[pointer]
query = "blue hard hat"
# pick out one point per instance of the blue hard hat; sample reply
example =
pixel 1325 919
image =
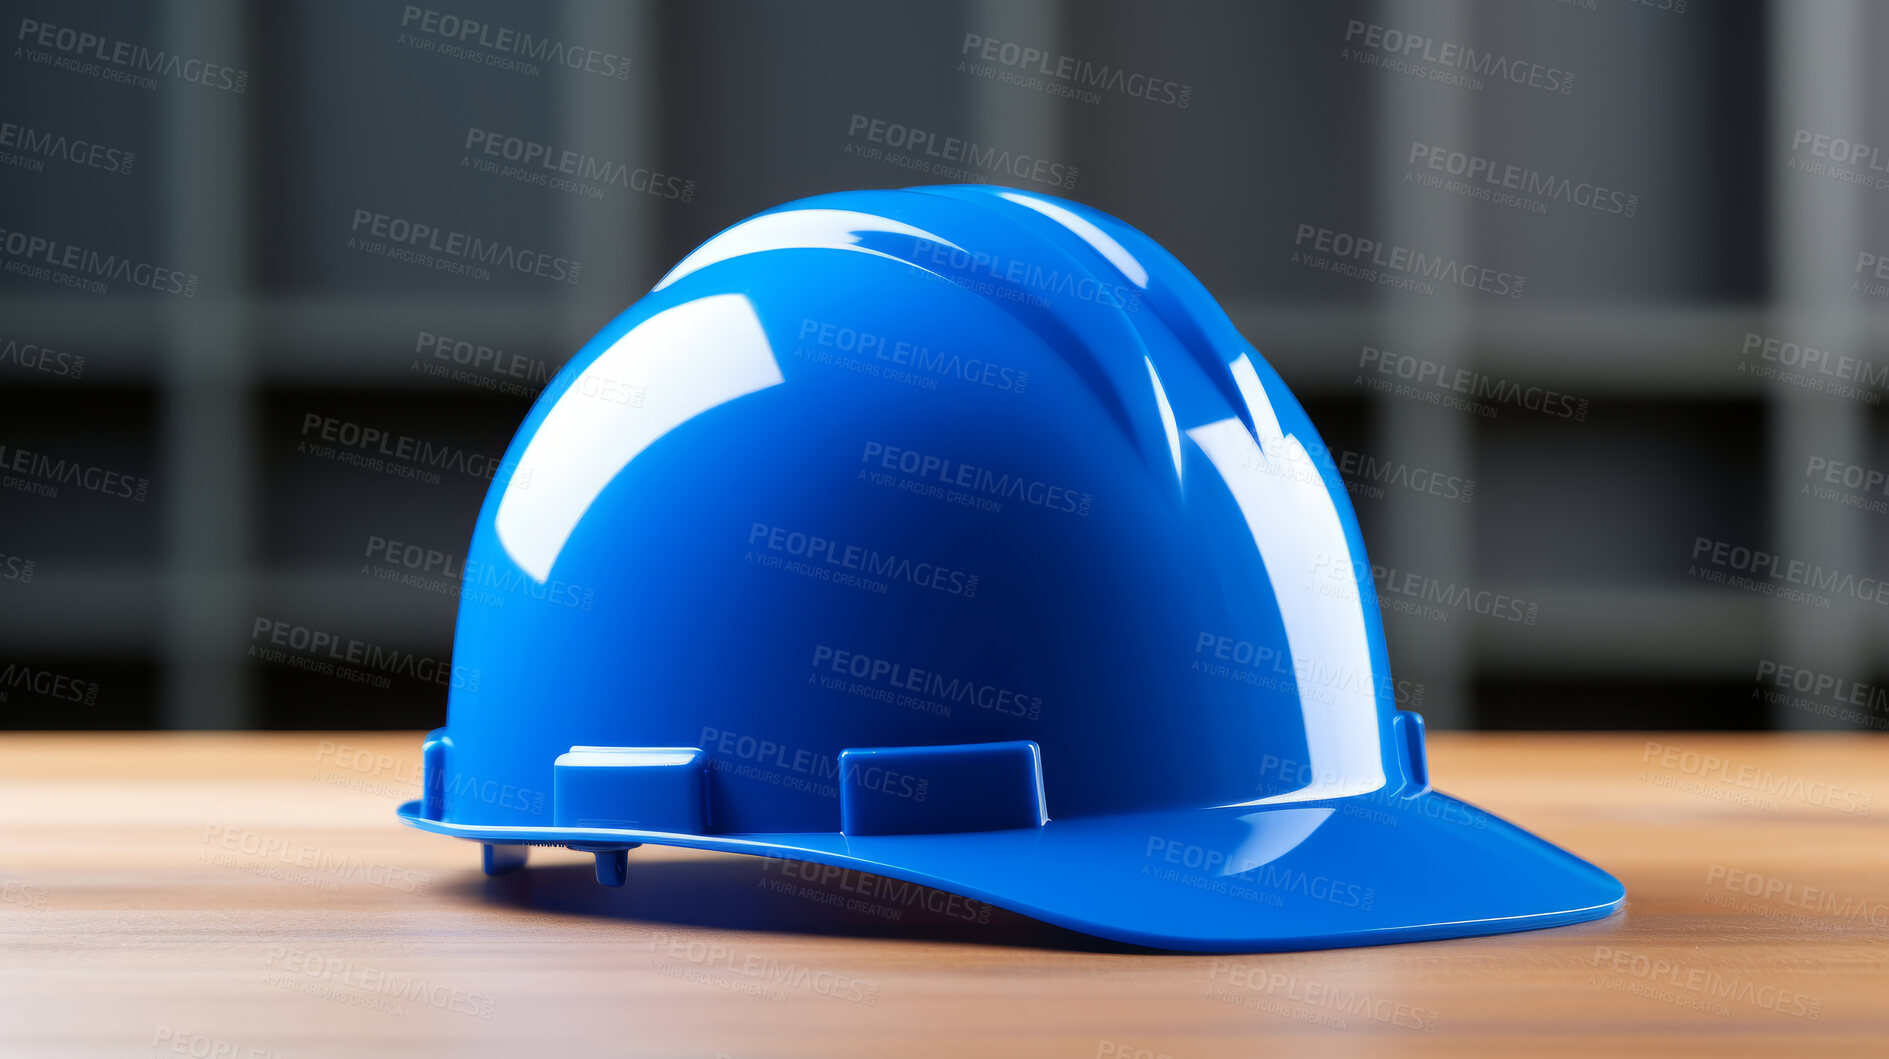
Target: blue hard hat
pixel 955 535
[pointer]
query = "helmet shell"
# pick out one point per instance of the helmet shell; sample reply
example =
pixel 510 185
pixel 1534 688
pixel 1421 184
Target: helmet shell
pixel 955 534
pixel 939 466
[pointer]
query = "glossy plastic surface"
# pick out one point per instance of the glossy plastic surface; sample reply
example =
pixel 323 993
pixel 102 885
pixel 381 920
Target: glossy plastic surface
pixel 921 790
pixel 651 788
pixel 966 465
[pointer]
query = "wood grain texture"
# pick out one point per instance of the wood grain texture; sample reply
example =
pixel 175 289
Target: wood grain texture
pixel 252 894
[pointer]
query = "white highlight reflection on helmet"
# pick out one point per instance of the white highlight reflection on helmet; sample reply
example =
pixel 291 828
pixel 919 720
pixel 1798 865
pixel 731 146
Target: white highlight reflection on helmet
pixel 1272 835
pixel 622 756
pixel 1292 518
pixel 1167 415
pixel 687 360
pixel 799 229
pixel 1103 242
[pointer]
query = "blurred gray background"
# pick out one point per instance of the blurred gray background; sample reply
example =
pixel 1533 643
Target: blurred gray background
pixel 1664 202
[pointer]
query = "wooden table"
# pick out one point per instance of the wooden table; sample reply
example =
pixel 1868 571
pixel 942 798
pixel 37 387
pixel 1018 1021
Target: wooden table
pixel 236 895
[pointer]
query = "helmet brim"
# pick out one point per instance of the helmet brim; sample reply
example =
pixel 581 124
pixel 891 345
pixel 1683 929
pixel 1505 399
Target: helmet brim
pixel 1367 870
